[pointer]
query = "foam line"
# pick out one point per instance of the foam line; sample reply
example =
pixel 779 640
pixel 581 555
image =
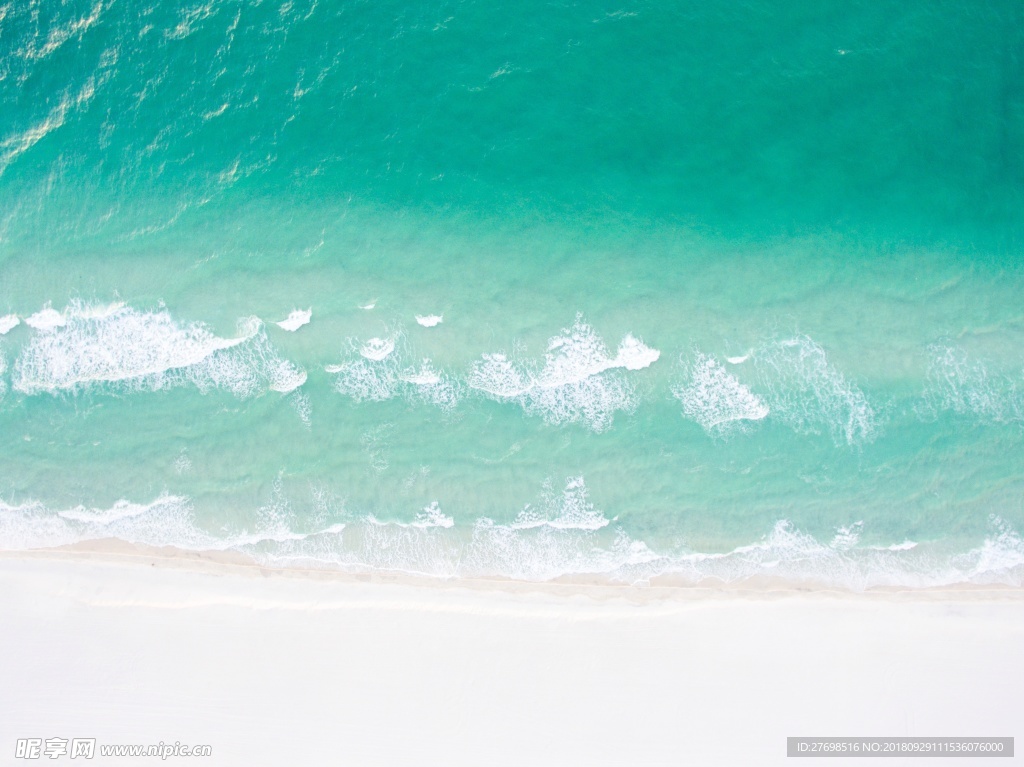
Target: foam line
pixel 561 535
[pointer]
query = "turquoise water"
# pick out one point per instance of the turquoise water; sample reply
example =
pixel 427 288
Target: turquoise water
pixel 698 291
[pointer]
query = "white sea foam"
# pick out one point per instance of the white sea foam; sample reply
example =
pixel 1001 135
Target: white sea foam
pixel 847 537
pixel 544 553
pixel 303 408
pixel 801 388
pixel 121 510
pixel 79 309
pixel 561 537
pixel 592 400
pixel 295 320
pixel 999 559
pixel 431 516
pixel 183 464
pixel 285 377
pixel 791 555
pixel 714 398
pixel 8 323
pixel 367 373
pixel 570 510
pixel 579 381
pixel 124 349
pixel 428 385
pixel 377 349
pixel 425 376
pixel 905 546
pixel 46 319
pixel 967 386
pixel 501 378
pixel 275 519
pixel 365 380
pixel 633 354
pixel 430 320
pixel 167 521
pixel 377 370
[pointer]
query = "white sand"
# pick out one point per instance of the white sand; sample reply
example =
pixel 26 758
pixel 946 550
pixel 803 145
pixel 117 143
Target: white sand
pixel 286 669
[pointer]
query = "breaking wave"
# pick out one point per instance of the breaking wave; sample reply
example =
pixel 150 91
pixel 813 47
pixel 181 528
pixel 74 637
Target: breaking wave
pixel 119 349
pixel 430 516
pixel 167 521
pixel 8 323
pixel 714 398
pixel 790 555
pixel 295 320
pixel 577 382
pixel 563 536
pixel 569 510
pixel 378 370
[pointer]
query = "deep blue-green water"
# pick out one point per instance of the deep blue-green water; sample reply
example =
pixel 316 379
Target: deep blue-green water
pixel 695 290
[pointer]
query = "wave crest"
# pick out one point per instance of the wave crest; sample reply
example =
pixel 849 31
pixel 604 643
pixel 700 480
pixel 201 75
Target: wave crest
pixel 578 382
pixel 8 323
pixel 295 320
pixel 123 349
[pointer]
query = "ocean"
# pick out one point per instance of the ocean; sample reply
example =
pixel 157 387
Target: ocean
pixel 679 292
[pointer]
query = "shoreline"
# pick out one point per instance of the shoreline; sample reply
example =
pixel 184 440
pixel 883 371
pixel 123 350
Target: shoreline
pixel 234 563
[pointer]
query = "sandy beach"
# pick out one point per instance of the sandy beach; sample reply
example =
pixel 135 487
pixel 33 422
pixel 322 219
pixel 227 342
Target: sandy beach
pixel 278 667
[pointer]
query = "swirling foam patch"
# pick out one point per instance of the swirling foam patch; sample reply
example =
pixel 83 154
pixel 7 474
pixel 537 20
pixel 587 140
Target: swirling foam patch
pixel 967 386
pixel 801 388
pixel 716 399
